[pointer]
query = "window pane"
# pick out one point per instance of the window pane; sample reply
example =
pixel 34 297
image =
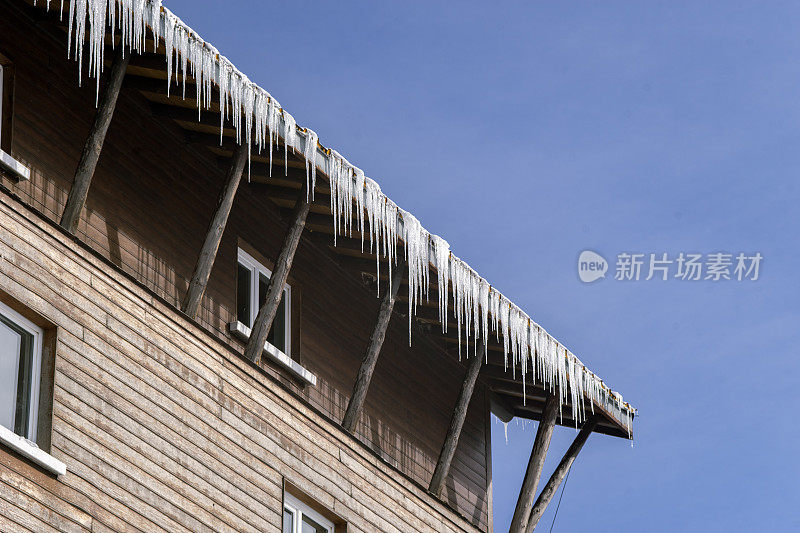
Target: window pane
pixel 277 334
pixel 24 384
pixel 10 347
pixel 310 526
pixel 263 285
pixel 16 365
pixel 243 295
pixel 288 521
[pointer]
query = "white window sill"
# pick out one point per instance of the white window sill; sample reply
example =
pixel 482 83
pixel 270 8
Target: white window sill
pixel 242 332
pixel 21 171
pixel 29 450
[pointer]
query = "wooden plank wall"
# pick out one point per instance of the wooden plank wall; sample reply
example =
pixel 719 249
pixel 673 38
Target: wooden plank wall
pixel 161 429
pixel 116 387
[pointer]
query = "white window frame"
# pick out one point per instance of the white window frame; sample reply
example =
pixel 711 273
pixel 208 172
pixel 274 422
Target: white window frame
pixel 19 170
pixel 256 269
pixel 36 366
pixel 297 509
pixel 243 331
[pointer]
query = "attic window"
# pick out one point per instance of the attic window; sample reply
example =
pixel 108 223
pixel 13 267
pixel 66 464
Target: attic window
pixel 252 280
pixel 6 101
pixel 7 162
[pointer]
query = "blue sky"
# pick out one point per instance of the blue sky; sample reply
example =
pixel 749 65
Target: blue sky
pixel 526 132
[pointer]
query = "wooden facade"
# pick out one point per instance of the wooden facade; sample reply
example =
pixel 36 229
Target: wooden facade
pixel 162 414
pixel 160 421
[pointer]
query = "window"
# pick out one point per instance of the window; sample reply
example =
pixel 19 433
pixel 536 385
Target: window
pixel 20 368
pixel 252 280
pixel 300 518
pixel 6 102
pixel 27 351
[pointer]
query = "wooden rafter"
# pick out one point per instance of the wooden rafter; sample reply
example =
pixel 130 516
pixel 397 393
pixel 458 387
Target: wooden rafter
pixel 266 314
pixel 365 371
pixel 541 444
pixel 558 476
pixel 456 423
pixel 208 253
pixel 94 143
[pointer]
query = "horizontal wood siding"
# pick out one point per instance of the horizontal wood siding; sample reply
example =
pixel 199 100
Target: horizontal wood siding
pixel 161 429
pixel 160 424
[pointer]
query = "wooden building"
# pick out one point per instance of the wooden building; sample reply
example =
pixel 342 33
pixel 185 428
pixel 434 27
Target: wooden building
pixel 182 345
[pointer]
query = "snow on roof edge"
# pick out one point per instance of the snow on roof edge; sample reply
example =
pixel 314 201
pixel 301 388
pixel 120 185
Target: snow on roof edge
pixel 258 117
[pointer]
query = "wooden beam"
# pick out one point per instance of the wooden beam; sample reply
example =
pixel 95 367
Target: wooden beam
pixel 189 114
pixel 456 423
pixel 155 62
pixel 282 195
pixel 535 464
pixel 367 367
pixel 158 85
pixel 531 391
pixel 94 142
pixel 208 253
pixel 266 315
pixel 563 467
pixel 451 337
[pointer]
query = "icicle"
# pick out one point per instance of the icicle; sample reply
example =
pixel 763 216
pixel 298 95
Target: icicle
pixel 310 155
pixel 169 44
pixel 358 191
pixel 373 202
pixel 417 257
pixel 273 121
pixel 389 229
pixel 494 311
pixel 289 138
pixel 458 296
pixel 340 173
pixel 483 301
pixel 334 177
pixel 474 298
pixel 441 251
pixel 505 308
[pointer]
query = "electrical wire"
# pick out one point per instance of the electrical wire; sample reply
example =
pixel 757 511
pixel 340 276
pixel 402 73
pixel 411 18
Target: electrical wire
pixel 563 488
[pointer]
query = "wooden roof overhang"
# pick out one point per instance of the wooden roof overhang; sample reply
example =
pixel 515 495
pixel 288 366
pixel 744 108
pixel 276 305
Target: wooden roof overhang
pixel 147 74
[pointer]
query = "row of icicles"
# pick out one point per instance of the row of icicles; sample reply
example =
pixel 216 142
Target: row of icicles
pixel 357 202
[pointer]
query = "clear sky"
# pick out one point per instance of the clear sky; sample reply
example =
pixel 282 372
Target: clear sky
pixel 526 132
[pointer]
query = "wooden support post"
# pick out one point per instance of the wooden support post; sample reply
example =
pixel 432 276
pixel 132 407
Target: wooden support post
pixel 457 422
pixel 563 467
pixel 373 350
pixel 208 253
pixel 266 315
pixel 94 142
pixel 535 464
